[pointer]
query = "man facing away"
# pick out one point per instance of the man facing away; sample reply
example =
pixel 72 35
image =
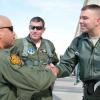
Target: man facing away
pixel 18 81
pixel 85 51
pixel 38 52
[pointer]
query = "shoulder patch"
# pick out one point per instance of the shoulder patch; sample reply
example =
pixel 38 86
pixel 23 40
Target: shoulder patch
pixel 15 59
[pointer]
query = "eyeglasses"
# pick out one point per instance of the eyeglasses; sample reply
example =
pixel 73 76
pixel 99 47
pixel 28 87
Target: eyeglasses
pixel 10 28
pixel 36 27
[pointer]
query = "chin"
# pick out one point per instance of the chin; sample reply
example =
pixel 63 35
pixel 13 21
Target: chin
pixel 83 30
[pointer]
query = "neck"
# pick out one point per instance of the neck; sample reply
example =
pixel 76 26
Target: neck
pixel 36 41
pixel 95 33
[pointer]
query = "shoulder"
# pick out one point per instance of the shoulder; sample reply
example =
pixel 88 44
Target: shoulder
pixel 49 42
pixel 81 36
pixel 19 44
pixel 18 41
pixel 76 41
pixel 4 54
pixel 78 38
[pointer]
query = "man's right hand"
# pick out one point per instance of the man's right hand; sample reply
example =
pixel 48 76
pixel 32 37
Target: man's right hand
pixel 54 69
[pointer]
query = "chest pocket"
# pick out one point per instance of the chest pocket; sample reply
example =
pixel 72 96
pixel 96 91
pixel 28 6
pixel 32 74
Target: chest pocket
pixel 42 56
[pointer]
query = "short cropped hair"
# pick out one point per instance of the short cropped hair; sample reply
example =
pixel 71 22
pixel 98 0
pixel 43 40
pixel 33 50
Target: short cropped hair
pixel 91 6
pixel 38 19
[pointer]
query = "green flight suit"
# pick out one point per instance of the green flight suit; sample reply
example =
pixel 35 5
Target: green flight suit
pixel 44 55
pixel 18 81
pixel 87 55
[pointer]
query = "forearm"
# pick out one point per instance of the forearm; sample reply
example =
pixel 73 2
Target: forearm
pixel 27 77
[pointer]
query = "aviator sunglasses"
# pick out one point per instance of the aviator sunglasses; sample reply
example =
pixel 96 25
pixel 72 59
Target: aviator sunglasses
pixel 36 27
pixel 10 28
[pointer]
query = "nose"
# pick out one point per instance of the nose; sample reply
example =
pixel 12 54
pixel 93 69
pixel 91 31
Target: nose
pixel 34 31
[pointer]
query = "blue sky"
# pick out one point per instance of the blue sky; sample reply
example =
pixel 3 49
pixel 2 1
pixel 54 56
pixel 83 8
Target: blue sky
pixel 61 18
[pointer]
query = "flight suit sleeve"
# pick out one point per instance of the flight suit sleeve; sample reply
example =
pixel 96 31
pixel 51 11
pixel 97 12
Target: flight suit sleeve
pixel 69 60
pixel 55 59
pixel 25 77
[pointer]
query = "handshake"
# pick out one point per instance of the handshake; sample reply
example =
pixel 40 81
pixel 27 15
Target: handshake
pixel 53 68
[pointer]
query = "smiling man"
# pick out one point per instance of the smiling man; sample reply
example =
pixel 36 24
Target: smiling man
pixel 85 51
pixel 18 81
pixel 37 52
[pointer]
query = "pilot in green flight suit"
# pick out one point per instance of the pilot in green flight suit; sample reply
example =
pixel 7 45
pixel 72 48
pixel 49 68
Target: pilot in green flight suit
pixel 18 81
pixel 38 52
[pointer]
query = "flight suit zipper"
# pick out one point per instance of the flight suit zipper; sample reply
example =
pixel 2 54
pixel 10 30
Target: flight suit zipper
pixel 90 63
pixel 92 60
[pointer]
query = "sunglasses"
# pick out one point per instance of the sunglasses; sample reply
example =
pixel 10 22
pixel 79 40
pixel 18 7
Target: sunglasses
pixel 10 28
pixel 36 27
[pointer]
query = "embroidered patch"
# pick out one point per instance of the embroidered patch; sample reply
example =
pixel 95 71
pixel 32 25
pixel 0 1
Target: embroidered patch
pixel 15 59
pixel 43 50
pixel 31 51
